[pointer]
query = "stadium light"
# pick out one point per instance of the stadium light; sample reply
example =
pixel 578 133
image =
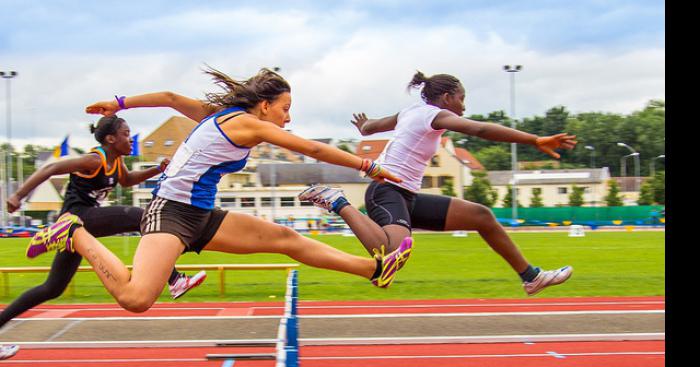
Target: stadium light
pixel 592 149
pixel 8 75
pixel 634 154
pixel 651 165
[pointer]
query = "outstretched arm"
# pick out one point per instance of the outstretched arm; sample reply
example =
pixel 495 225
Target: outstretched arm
pixel 192 108
pixel 131 178
pixel 494 132
pixel 371 126
pixel 86 164
pixel 252 131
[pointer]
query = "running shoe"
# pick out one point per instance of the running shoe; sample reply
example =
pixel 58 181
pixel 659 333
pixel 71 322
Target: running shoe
pixel 54 237
pixel 8 351
pixel 321 196
pixel 184 283
pixel 547 278
pixel 392 263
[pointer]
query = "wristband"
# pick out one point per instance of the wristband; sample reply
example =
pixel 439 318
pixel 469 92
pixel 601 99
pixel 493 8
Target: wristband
pixel 120 101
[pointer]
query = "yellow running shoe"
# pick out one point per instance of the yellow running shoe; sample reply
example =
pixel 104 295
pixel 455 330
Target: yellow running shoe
pixel 392 263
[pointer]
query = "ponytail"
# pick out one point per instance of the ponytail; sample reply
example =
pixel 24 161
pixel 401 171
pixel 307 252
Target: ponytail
pixel 107 125
pixel 435 86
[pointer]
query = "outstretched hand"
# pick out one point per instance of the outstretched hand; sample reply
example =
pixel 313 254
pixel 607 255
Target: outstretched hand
pixel 105 108
pixel 547 144
pixel 13 203
pixel 359 119
pixel 376 172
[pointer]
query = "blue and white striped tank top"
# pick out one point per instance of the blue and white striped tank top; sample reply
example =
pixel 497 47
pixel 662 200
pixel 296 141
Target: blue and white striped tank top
pixel 199 162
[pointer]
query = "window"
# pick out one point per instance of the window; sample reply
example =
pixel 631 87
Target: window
pixel 228 202
pixel 169 143
pixel 247 202
pixel 287 201
pixel 306 203
pixel 443 180
pixel 427 182
pixel 435 161
pixel 148 143
pixel 266 202
pixel 563 190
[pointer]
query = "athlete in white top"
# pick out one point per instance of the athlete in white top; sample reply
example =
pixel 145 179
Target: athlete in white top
pixel 181 216
pixel 395 208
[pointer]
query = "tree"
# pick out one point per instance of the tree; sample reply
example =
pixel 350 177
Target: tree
pixel 507 199
pixel 480 191
pixel 658 185
pixel 536 200
pixel 646 194
pixel 447 187
pixel 576 196
pixel 613 197
pixel 494 158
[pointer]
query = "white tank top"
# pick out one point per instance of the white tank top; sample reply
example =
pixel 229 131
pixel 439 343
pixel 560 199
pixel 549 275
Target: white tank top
pixel 199 162
pixel 414 143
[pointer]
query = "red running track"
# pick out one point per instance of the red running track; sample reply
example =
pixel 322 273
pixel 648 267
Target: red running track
pixel 560 354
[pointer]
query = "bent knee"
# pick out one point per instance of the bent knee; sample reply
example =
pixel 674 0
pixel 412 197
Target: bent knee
pixel 136 304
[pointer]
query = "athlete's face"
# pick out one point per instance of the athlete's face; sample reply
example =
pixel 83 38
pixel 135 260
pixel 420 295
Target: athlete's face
pixel 121 140
pixel 277 111
pixel 455 102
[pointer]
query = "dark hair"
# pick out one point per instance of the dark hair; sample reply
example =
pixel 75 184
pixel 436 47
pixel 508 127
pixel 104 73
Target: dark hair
pixel 107 125
pixel 266 85
pixel 434 86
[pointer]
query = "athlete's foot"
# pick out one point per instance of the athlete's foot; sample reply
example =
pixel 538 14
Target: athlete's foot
pixel 54 237
pixel 184 283
pixel 8 351
pixel 322 196
pixel 392 263
pixel 547 278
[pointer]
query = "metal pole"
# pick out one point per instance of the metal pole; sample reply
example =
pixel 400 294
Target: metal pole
pixel 513 146
pixel 8 158
pixel 20 181
pixel 3 204
pixel 273 183
pixel 636 172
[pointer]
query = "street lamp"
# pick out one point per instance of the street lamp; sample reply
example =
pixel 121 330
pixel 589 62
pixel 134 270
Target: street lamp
pixel 651 165
pixel 634 154
pixel 513 147
pixel 592 149
pixel 8 75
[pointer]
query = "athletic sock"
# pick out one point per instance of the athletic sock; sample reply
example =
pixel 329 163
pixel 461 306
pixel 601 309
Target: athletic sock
pixel 338 204
pixel 173 277
pixel 377 272
pixel 72 228
pixel 529 274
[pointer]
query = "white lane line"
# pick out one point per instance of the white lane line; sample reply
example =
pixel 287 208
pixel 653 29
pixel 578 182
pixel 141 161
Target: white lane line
pixel 362 316
pixel 93 361
pixel 474 339
pixel 556 355
pixel 606 303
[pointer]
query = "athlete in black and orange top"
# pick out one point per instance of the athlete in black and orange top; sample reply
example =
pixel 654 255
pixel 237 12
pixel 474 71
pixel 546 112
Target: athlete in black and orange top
pixel 92 177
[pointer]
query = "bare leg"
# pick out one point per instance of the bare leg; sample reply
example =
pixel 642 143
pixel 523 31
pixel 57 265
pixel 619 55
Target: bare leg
pixel 370 234
pixel 245 234
pixel 153 262
pixel 465 215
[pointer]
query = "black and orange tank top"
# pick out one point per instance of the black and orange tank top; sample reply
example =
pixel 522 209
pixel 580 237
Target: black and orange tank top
pixel 92 189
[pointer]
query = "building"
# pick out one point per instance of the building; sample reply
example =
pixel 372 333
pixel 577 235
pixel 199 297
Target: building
pixel 164 140
pixel 556 185
pixel 48 196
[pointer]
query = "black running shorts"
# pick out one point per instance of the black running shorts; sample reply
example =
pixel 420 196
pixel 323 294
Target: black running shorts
pixel 389 204
pixel 195 227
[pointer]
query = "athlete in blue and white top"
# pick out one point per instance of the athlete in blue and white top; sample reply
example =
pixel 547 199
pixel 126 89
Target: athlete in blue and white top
pixel 396 208
pixel 200 161
pixel 181 216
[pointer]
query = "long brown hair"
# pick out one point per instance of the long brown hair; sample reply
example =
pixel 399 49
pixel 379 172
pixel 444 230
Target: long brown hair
pixel 266 85
pixel 435 86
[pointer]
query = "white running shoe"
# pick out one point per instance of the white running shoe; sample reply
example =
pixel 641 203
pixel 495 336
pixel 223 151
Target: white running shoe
pixel 8 351
pixel 321 196
pixel 184 283
pixel 547 278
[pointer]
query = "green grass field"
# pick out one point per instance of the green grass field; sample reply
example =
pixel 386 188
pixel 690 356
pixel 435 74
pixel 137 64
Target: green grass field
pixel 441 267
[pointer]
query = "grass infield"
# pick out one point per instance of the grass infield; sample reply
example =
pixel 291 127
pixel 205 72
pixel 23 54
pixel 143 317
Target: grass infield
pixel 441 267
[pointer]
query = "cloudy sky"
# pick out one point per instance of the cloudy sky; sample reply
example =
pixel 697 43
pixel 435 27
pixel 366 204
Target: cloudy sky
pixel 339 56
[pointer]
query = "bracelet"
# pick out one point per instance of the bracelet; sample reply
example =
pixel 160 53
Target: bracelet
pixel 120 101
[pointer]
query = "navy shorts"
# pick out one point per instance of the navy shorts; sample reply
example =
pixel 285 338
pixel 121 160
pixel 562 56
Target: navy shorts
pixel 389 204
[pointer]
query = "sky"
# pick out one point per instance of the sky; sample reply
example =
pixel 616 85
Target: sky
pixel 340 57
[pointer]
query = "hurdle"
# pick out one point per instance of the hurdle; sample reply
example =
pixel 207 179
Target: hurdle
pixel 287 342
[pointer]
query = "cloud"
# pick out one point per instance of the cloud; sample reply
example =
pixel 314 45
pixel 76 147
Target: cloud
pixel 338 60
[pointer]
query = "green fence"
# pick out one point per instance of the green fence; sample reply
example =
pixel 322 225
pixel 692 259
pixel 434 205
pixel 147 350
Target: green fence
pixel 613 215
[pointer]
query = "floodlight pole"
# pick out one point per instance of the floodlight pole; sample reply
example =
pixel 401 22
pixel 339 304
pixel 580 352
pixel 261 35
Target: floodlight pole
pixel 513 146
